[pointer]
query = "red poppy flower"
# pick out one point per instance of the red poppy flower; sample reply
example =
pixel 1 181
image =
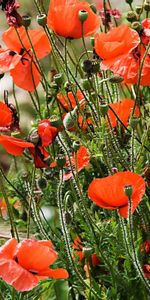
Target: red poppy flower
pixel 146 270
pixel 145 35
pixel 6 115
pixel 123 110
pixel 21 61
pixel 109 192
pixel 13 145
pixel 39 154
pixel 78 247
pixel 120 53
pixel 46 132
pixel 63 18
pixel 69 102
pixel 24 264
pixel 145 247
pixel 83 159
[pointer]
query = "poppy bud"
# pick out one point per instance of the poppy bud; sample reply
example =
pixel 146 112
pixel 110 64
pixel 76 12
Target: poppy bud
pixel 58 79
pixel 131 16
pixel 134 122
pixel 68 86
pixel 76 145
pixel 42 183
pixel 95 66
pixel 55 121
pixel 87 251
pixel 34 137
pixel 60 160
pixel 93 7
pixel 137 26
pixel 139 9
pixel 70 119
pixel 146 5
pixel 104 109
pixel 42 19
pixel 128 190
pixel 26 21
pixel 86 84
pixel 83 15
pixel 116 79
pixel 87 66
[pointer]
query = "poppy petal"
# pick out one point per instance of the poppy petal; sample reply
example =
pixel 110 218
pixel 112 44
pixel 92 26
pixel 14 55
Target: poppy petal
pixel 8 249
pixel 6 115
pixel 13 145
pixel 7 60
pixel 15 275
pixel 35 256
pixel 55 273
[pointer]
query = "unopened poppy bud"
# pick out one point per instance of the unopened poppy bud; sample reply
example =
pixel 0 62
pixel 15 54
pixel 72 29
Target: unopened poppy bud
pixel 146 5
pixel 34 137
pixel 76 145
pixel 55 121
pixel 92 39
pixel 42 19
pixel 131 16
pixel 137 26
pixel 87 66
pixel 139 9
pixel 87 251
pixel 42 183
pixel 70 119
pixel 60 160
pixel 26 21
pixel 129 1
pixel 104 109
pixel 58 79
pixel 134 122
pixel 83 15
pixel 128 190
pixel 86 84
pixel 116 79
pixel 68 86
pixel 93 7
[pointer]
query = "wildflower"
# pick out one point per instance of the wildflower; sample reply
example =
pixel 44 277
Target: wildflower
pixel 40 156
pixel 14 145
pixel 9 119
pixel 24 264
pixel 145 34
pixel 120 53
pixel 109 193
pixel 46 132
pixel 123 110
pixel 19 59
pixel 10 8
pixel 63 18
pixel 69 101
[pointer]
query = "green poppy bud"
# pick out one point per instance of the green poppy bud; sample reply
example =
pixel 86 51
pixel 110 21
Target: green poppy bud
pixel 131 16
pixel 42 183
pixel 76 145
pixel 60 160
pixel 58 79
pixel 137 26
pixel 146 5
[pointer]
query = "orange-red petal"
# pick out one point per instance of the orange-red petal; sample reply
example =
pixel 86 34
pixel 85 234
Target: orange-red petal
pixel 13 145
pixel 109 192
pixel 35 256
pixel 8 61
pixel 6 115
pixel 55 273
pixel 8 249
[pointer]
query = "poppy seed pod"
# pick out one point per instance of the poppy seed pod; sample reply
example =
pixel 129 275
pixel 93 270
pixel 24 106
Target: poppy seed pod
pixel 26 21
pixel 76 145
pixel 58 79
pixel 131 16
pixel 42 183
pixel 83 15
pixel 55 121
pixel 61 160
pixel 146 5
pixel 34 137
pixel 41 19
pixel 128 190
